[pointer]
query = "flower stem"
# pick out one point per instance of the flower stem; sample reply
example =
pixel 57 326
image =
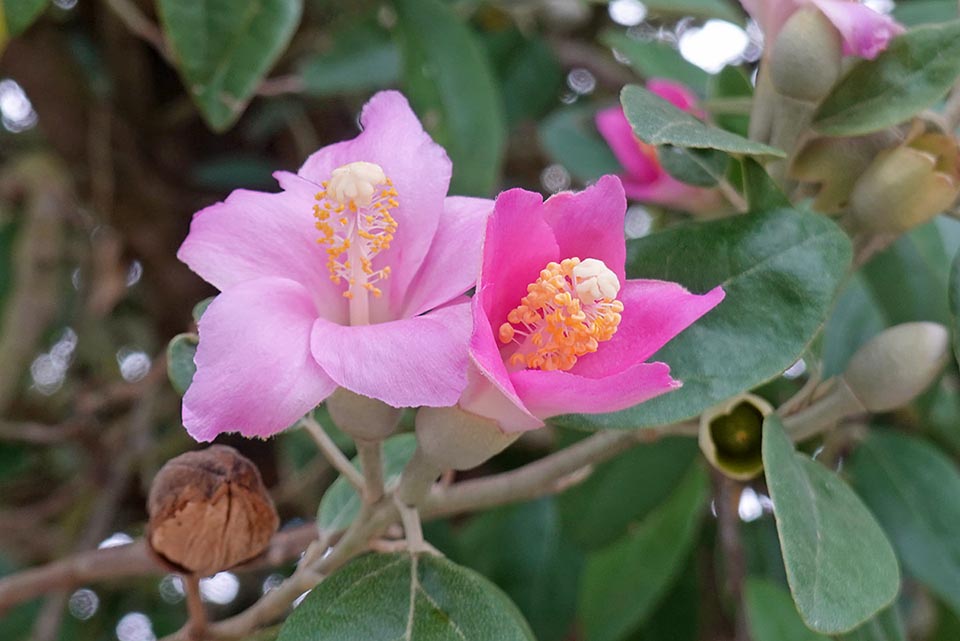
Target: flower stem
pixel 371 462
pixel 332 453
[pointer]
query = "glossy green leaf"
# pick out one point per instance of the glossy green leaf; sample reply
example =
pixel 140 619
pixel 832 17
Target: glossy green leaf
pixel 913 489
pixel 731 87
pixel 840 565
pixel 779 269
pixel 180 366
pixel 404 597
pixel 913 73
pixel 624 490
pixel 539 568
pixel 771 614
pixel 699 167
pixel 570 138
pixel 953 297
pixel 364 58
pixel 761 191
pixel 654 59
pixel 624 582
pixel 658 122
pixel 677 617
pixel 17 15
pixel 224 49
pixel 448 79
pixel 531 80
pixel 341 503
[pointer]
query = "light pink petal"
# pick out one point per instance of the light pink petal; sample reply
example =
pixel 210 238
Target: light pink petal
pixel 638 159
pixel 255 374
pixel 670 192
pixel 393 138
pixel 404 363
pixel 256 235
pixel 865 32
pixel 552 393
pixel 589 224
pixel 677 94
pixel 453 263
pixel 654 311
pixel 517 245
pixel 771 15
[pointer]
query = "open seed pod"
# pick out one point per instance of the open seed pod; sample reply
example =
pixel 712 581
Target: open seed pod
pixel 209 511
pixel 730 436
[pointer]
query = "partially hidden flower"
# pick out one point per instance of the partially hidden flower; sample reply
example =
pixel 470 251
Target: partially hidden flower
pixel 865 32
pixel 352 276
pixel 557 326
pixel 644 179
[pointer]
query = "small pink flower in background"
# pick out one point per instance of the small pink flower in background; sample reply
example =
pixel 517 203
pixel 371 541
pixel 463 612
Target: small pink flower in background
pixel 557 327
pixel 865 32
pixel 353 275
pixel 644 180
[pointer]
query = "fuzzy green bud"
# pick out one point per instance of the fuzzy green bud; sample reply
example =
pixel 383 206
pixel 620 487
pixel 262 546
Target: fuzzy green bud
pixel 452 438
pixel 361 417
pixel 730 436
pixel 805 59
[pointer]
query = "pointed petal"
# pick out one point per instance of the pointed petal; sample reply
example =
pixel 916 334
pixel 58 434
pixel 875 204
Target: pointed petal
pixel 638 158
pixel 393 138
pixel 654 312
pixel 255 374
pixel 255 235
pixel 453 263
pixel 552 393
pixel 404 363
pixel 589 224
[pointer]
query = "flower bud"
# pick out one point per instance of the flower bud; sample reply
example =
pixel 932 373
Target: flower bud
pixel 452 438
pixel 730 436
pixel 894 367
pixel 209 511
pixel 906 186
pixel 805 59
pixel 362 417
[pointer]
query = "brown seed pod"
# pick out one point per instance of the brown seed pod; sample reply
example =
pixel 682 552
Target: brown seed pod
pixel 209 511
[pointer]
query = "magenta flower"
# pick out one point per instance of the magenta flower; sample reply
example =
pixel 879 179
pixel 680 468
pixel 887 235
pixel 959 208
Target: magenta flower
pixel 557 327
pixel 644 180
pixel 351 276
pixel 865 32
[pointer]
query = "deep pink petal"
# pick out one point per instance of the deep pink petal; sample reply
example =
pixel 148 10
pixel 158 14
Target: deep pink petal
pixel 517 245
pixel 453 263
pixel 654 311
pixel 255 374
pixel 256 235
pixel 393 138
pixel 404 363
pixel 552 393
pixel 670 192
pixel 865 32
pixel 638 159
pixel 589 224
pixel 677 94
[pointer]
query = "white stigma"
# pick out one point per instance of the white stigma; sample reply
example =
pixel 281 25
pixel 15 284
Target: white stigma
pixel 357 182
pixel 595 281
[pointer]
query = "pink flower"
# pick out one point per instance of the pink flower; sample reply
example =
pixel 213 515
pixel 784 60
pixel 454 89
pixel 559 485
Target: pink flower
pixel 557 327
pixel 865 32
pixel 353 275
pixel 644 180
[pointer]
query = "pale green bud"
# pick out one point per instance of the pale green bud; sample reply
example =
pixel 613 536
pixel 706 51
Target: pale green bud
pixel 362 417
pixel 805 59
pixel 452 438
pixel 730 436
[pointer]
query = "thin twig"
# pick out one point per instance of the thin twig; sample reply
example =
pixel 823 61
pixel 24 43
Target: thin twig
pixel 332 453
pixel 197 613
pixel 371 462
pixel 140 26
pixel 732 196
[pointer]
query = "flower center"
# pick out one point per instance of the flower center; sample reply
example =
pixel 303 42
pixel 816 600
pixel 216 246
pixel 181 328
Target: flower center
pixel 567 312
pixel 353 216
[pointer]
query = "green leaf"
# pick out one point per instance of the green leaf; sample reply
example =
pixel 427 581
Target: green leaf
pixel 363 58
pixel 224 49
pixel 779 269
pixel 733 87
pixel 761 191
pixel 912 74
pixel 19 14
pixel 886 626
pixel 924 11
pixel 539 568
pixel 953 297
pixel 912 488
pixel 771 615
pixel 655 59
pixel 840 565
pixel 623 583
pixel 700 8
pixel 624 490
pixel 180 366
pixel 531 81
pixel 341 503
pixel 658 122
pixel 699 167
pixel 404 597
pixel 451 85
pixel 570 138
